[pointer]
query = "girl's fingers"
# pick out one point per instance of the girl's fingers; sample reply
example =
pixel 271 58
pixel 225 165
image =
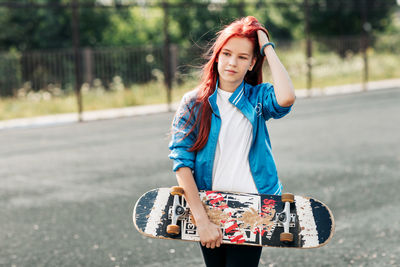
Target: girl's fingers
pixel 213 238
pixel 218 243
pixel 212 245
pixel 219 240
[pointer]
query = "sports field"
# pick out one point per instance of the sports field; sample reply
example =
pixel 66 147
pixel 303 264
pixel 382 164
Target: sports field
pixel 67 191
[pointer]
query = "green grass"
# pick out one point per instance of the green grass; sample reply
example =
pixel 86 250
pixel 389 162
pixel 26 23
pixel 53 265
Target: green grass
pixel 328 70
pixel 145 94
pixel 11 108
pixel 151 93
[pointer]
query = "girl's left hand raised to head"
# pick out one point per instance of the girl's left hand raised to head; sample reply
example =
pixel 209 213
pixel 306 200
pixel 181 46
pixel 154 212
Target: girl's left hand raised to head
pixel 262 38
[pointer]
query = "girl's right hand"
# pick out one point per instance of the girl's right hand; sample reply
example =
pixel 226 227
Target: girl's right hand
pixel 210 234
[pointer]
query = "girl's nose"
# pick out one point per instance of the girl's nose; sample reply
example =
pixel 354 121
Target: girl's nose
pixel 232 61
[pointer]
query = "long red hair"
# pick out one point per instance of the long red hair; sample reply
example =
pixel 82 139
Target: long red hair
pixel 246 27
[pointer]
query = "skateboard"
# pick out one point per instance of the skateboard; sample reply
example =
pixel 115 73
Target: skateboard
pixel 245 219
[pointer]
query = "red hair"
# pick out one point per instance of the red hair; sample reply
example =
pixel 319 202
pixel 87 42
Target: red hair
pixel 246 27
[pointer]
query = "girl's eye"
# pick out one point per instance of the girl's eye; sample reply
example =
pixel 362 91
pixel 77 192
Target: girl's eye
pixel 226 53
pixel 243 57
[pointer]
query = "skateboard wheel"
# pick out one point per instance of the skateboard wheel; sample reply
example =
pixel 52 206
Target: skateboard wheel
pixel 287 197
pixel 286 237
pixel 176 190
pixel 173 229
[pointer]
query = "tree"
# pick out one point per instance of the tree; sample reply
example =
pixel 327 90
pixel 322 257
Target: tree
pixel 45 27
pixel 348 18
pixel 50 27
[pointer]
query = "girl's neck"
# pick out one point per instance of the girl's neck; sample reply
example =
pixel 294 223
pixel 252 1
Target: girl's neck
pixel 229 87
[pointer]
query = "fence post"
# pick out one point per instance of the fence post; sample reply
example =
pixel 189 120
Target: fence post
pixel 365 38
pixel 75 36
pixel 88 65
pixel 167 56
pixel 308 47
pixel 173 60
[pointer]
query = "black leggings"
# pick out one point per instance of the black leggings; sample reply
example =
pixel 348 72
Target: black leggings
pixel 231 255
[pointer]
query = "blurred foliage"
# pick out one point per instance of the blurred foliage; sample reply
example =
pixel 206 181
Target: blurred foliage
pixel 349 18
pixel 191 21
pixel 192 25
pixel 48 28
pixel 345 17
pixel 134 26
pixel 199 24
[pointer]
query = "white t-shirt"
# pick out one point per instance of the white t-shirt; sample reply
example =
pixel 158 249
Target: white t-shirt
pixel 231 170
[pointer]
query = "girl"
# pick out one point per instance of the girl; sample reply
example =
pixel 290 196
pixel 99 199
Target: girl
pixel 219 136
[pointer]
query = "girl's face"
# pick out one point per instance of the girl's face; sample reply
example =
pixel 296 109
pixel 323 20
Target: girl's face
pixel 234 60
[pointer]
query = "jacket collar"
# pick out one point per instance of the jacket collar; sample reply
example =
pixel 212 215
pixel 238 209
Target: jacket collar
pixel 238 94
pixel 234 98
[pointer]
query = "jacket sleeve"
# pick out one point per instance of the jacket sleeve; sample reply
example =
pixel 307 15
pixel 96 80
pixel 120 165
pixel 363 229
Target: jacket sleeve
pixel 270 106
pixel 179 145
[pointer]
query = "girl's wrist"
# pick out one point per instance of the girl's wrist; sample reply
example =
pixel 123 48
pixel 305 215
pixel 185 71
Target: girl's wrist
pixel 200 215
pixel 202 220
pixel 266 45
pixel 267 50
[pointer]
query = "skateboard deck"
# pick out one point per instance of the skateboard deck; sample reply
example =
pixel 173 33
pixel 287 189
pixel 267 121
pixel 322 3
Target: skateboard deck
pixel 246 219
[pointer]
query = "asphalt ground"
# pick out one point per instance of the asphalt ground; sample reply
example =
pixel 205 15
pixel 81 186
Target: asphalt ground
pixel 67 191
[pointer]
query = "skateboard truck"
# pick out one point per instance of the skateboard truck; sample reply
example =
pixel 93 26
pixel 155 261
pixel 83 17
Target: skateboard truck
pixel 177 211
pixel 285 218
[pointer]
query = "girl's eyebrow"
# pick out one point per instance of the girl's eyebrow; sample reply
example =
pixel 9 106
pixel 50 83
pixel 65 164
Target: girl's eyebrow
pixel 226 49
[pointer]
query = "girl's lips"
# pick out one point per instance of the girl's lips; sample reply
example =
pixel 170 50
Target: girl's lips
pixel 231 71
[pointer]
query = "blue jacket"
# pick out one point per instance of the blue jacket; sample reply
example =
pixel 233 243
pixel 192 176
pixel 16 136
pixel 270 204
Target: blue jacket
pixel 258 104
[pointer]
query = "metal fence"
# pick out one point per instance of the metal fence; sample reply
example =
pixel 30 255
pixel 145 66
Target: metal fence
pixel 41 70
pixel 44 70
